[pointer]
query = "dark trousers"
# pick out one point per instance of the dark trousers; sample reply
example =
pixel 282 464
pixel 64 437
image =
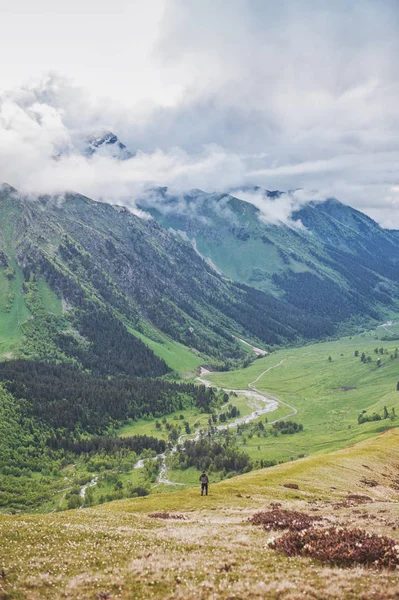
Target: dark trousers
pixel 204 488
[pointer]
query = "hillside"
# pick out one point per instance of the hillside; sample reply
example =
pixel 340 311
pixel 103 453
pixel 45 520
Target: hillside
pixel 82 279
pixel 211 550
pixel 327 259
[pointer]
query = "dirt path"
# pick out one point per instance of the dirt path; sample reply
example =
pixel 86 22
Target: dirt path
pixel 257 351
pixel 272 397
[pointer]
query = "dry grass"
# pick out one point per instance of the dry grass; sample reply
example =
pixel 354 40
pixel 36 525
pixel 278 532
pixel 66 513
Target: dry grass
pixel 116 551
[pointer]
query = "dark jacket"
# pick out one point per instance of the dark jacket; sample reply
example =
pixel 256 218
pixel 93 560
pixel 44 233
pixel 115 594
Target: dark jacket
pixel 203 478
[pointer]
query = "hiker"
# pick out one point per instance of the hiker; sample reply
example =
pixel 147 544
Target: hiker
pixel 204 483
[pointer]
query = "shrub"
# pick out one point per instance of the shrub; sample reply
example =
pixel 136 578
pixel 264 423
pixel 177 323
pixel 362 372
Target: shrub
pixel 283 519
pixel 166 515
pixel 341 547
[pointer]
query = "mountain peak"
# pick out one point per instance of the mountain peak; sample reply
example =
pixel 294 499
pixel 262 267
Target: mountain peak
pixel 106 143
pixel 7 188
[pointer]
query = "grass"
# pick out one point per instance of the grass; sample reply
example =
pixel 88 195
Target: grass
pixel 117 551
pixel 4 290
pixel 50 301
pixel 195 418
pixel 315 387
pixel 12 319
pixel 181 359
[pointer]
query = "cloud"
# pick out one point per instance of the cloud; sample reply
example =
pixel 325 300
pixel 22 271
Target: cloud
pixel 282 95
pixel 276 210
pixel 41 144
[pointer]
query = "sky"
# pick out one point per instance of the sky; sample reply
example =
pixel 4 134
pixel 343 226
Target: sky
pixel 207 94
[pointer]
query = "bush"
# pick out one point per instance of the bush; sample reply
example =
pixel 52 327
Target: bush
pixel 138 491
pixel 283 519
pixel 341 547
pixel 166 515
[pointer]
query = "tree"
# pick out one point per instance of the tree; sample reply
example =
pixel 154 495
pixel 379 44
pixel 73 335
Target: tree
pixel 356 353
pixel 378 362
pixel 329 359
pixel 89 496
pixel 386 414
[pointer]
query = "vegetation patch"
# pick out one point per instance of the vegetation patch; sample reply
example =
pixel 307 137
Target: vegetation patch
pixel 166 515
pixel 359 498
pixel 280 518
pixel 341 547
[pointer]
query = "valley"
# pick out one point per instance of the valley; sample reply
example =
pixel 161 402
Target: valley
pixel 302 385
pixel 199 300
pixel 129 364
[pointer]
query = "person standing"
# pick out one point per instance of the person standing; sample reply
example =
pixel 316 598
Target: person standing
pixel 204 483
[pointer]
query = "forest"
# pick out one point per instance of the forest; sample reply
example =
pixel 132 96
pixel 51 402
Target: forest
pixel 67 399
pixel 52 416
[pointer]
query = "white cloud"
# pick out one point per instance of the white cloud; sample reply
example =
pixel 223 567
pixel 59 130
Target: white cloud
pixel 283 95
pixel 276 210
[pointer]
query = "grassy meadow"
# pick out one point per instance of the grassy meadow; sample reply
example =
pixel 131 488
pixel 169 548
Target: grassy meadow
pixel 211 551
pixel 328 395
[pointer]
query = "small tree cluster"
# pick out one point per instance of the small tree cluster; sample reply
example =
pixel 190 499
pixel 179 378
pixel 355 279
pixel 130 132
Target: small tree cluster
pixel 364 418
pixel 287 427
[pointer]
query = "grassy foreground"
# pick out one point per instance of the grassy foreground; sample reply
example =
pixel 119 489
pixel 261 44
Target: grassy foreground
pixel 117 551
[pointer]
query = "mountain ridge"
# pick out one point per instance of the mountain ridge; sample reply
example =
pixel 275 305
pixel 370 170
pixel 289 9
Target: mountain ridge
pixel 328 243
pixel 98 261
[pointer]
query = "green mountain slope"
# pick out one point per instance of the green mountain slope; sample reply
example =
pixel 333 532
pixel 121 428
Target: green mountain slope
pixel 83 278
pixel 330 260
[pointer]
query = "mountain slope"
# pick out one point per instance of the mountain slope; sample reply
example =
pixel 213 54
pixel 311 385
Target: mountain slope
pixel 329 259
pixel 86 275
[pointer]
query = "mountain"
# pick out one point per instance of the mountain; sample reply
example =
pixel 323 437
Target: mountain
pixel 107 144
pixel 84 283
pixel 327 259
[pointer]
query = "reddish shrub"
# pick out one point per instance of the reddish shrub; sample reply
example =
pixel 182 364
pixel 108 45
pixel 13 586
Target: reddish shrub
pixel 341 547
pixel 283 519
pixel 369 482
pixel 360 499
pixel 166 515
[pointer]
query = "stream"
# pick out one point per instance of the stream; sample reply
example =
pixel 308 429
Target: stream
pixel 260 402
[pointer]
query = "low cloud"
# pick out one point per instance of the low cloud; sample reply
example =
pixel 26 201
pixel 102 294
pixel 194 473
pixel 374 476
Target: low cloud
pixel 278 209
pixel 283 95
pixel 42 151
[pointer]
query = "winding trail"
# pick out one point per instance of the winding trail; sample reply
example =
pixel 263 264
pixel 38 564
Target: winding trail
pixel 261 402
pixel 272 396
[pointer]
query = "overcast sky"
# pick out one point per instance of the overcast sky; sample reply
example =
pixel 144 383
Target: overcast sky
pixel 213 93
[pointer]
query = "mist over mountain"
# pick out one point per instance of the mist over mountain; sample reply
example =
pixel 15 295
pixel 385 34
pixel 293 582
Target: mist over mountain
pixel 55 137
